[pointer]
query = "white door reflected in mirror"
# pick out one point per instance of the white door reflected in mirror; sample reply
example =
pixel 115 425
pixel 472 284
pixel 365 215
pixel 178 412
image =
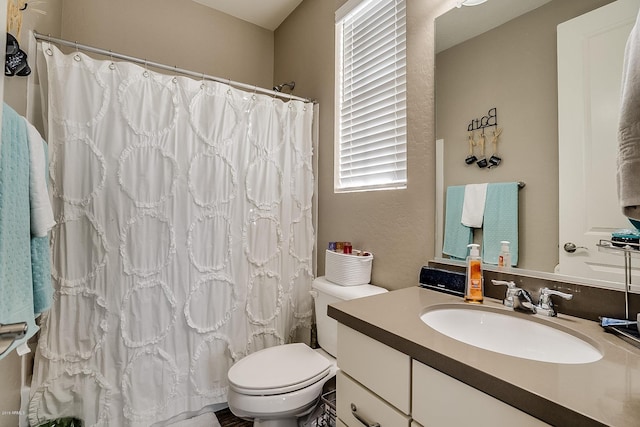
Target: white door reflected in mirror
pixel 590 57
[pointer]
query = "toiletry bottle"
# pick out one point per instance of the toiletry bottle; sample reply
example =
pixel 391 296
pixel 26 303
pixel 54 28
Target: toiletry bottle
pixel 473 289
pixel 504 259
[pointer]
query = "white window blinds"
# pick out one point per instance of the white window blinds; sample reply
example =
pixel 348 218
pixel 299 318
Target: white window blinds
pixel 371 109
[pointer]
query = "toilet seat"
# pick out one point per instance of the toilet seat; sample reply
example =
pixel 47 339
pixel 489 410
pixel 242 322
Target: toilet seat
pixel 278 370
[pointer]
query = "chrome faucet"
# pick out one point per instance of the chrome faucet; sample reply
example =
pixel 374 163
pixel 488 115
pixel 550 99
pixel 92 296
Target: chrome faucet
pixel 545 303
pixel 523 302
pixel 519 299
pixel 516 298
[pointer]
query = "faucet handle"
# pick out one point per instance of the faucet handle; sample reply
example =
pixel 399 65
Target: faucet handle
pixel 512 291
pixel 509 285
pixel 546 292
pixel 545 304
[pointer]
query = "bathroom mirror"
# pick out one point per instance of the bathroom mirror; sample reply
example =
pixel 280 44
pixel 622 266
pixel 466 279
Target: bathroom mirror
pixel 502 56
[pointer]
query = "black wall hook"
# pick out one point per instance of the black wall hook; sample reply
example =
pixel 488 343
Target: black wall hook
pixel 15 60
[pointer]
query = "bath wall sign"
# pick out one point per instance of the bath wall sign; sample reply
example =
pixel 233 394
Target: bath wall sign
pixel 491 119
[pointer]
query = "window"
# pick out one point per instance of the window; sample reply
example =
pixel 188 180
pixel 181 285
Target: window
pixel 371 148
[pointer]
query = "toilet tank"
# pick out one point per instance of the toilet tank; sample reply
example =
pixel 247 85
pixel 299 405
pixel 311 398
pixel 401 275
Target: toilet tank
pixel 325 293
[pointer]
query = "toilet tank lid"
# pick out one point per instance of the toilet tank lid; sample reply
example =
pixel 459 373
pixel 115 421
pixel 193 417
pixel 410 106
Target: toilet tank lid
pixel 345 293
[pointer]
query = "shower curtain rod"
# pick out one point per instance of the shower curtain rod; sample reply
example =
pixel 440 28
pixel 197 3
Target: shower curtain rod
pixel 42 37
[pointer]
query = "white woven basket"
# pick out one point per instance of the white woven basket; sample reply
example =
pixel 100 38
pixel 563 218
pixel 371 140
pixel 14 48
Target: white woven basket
pixel 348 270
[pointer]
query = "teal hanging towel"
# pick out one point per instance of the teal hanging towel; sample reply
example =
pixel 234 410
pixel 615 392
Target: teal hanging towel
pixel 500 221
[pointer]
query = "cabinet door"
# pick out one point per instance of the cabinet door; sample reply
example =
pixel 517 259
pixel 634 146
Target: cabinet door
pixel 442 401
pixel 380 368
pixel 358 407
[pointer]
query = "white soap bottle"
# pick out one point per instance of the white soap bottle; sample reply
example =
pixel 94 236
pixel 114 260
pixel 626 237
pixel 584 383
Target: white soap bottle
pixel 504 259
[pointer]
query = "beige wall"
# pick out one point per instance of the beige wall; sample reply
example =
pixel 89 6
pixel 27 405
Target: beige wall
pixel 174 32
pixel 15 88
pixel 512 68
pixel 397 226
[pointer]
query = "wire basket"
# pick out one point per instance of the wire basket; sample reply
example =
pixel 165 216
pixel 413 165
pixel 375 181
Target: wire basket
pixel 328 418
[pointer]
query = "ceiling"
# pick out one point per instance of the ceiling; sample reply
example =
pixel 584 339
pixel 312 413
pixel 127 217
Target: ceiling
pixel 454 27
pixel 268 14
pixel 464 23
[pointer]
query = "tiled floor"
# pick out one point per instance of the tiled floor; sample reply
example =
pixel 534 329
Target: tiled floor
pixel 227 419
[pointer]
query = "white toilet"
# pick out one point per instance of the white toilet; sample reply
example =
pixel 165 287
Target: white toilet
pixel 277 385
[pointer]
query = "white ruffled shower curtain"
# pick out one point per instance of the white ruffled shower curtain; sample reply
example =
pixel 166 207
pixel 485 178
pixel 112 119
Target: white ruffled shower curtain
pixel 183 241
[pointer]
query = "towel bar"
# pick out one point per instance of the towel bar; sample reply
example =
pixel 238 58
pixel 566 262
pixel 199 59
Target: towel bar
pixel 9 333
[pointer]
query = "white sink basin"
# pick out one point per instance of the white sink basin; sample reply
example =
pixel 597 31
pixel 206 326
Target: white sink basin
pixel 511 335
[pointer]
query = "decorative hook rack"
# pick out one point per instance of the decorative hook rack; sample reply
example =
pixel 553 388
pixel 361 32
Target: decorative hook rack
pixel 491 119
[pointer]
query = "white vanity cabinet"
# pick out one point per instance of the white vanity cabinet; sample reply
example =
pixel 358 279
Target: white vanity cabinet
pixel 374 382
pixel 440 400
pixel 378 384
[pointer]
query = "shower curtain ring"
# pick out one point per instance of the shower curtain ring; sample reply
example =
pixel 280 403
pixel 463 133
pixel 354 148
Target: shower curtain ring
pixel 112 66
pixel 77 55
pixel 175 72
pixel 48 50
pixel 146 72
pixel 202 85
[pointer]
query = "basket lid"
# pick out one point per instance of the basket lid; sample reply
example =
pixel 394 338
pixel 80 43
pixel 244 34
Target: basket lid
pixel 364 258
pixel 345 293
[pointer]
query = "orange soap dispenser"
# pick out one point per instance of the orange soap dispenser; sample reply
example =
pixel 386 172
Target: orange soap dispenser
pixel 474 286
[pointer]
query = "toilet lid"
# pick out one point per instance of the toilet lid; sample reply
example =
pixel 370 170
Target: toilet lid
pixel 279 369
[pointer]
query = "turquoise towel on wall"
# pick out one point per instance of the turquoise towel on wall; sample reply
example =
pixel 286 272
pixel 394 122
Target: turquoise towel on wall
pixel 500 221
pixel 41 274
pixel 41 265
pixel 16 280
pixel 456 235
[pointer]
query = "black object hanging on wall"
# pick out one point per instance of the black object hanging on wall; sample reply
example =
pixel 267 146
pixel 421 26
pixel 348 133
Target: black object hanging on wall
pixel 15 60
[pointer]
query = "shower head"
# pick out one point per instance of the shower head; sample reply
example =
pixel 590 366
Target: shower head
pixel 290 85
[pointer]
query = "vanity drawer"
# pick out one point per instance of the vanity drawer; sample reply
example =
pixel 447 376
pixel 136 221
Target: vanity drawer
pixel 433 406
pixel 380 368
pixel 367 405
